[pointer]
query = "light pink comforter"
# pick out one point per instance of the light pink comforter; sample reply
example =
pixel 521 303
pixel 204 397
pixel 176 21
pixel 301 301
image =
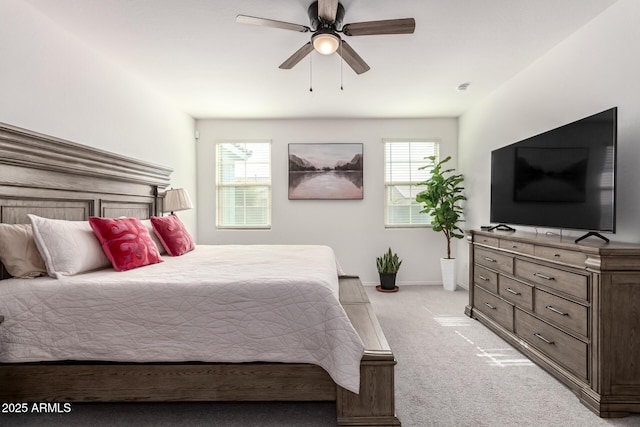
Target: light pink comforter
pixel 215 304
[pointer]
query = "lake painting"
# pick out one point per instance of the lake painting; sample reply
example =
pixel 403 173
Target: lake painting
pixel 325 171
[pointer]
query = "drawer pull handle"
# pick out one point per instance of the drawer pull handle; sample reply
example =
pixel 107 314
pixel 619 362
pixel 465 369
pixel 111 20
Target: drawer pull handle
pixel 543 276
pixel 543 338
pixel 555 310
pixel 556 255
pixel 481 277
pixel 489 305
pixel 489 259
pixel 512 291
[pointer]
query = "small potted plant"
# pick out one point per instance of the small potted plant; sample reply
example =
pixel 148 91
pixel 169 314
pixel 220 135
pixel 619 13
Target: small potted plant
pixel 388 265
pixel 442 200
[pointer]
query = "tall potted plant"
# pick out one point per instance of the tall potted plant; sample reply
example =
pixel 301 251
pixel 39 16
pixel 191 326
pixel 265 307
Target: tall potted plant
pixel 388 265
pixel 442 200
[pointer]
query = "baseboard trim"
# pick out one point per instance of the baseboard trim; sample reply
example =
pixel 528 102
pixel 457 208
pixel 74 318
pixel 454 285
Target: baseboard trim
pixel 407 283
pixel 417 283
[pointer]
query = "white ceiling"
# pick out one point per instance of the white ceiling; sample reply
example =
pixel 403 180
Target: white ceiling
pixel 195 53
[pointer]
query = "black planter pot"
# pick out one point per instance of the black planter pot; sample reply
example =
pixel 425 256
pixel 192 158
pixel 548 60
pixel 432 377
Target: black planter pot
pixel 388 281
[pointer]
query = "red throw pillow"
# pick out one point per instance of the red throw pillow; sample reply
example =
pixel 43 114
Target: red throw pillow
pixel 125 241
pixel 172 234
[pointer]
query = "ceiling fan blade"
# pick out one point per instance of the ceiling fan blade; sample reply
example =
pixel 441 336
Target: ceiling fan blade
pixel 244 19
pixel 352 58
pixel 327 10
pixel 297 57
pixel 389 26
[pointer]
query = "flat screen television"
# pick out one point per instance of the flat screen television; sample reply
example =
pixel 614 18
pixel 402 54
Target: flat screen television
pixel 562 178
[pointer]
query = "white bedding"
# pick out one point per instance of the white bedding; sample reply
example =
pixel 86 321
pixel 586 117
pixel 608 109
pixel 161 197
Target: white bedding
pixel 215 304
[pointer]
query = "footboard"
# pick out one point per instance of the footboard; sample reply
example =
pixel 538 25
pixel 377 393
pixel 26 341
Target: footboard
pixel 375 404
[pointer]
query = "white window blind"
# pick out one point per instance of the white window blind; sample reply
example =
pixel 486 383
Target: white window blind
pixel 403 160
pixel 243 184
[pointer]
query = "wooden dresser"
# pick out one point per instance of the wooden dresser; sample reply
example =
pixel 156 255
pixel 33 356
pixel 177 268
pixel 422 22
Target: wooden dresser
pixel 572 308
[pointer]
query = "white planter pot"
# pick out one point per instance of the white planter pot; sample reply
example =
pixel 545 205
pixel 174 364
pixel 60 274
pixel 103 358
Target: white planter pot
pixel 448 267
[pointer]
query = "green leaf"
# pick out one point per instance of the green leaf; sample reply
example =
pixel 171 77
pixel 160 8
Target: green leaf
pixel 388 262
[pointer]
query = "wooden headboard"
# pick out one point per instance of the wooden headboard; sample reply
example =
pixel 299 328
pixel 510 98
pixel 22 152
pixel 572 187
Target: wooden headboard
pixel 54 178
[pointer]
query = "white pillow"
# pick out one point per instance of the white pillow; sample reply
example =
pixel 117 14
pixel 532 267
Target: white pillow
pixel 154 236
pixel 67 247
pixel 18 251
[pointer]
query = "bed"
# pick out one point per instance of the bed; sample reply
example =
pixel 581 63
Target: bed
pixel 53 178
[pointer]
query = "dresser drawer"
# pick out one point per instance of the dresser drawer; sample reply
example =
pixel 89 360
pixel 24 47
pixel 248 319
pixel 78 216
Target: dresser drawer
pixel 562 312
pixel 494 260
pixel 515 291
pixel 486 278
pixel 561 255
pixel 564 281
pixel 494 307
pixel 489 241
pixel 510 245
pixel 563 348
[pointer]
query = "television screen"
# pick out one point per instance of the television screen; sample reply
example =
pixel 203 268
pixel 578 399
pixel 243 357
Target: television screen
pixel 562 178
pixel 551 174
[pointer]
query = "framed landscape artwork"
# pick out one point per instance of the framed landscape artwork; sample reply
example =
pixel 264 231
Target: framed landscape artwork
pixel 325 171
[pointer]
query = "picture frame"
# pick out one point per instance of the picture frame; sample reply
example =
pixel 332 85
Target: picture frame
pixel 326 171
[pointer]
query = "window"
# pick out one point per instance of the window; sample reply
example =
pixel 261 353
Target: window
pixel 243 184
pixel 403 160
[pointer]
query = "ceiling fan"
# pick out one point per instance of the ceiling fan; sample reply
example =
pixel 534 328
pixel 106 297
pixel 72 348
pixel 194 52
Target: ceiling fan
pixel 326 22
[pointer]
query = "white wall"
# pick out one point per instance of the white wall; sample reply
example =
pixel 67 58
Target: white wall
pixel 52 83
pixel 594 69
pixel 353 228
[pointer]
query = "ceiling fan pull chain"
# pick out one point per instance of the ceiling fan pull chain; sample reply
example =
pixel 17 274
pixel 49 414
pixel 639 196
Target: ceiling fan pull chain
pixel 311 72
pixel 341 63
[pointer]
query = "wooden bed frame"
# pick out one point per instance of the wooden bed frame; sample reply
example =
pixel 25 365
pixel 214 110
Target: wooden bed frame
pixel 54 178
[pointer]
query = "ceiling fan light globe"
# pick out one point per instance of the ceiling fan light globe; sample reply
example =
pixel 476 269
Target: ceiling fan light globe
pixel 326 43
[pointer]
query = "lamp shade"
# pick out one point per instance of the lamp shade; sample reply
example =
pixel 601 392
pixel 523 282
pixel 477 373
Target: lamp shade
pixel 176 199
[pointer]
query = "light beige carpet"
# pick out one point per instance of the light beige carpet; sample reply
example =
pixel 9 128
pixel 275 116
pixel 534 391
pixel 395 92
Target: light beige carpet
pixel 452 371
